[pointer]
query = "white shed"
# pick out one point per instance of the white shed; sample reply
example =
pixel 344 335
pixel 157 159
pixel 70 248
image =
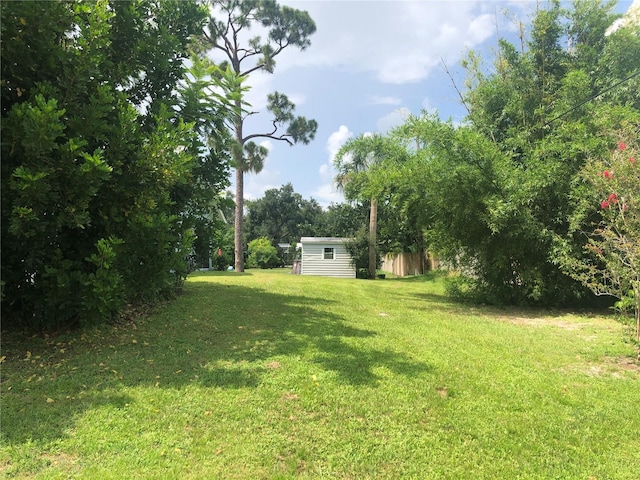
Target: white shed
pixel 326 256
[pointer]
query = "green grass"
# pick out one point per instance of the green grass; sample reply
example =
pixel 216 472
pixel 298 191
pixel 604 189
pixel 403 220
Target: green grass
pixel 270 375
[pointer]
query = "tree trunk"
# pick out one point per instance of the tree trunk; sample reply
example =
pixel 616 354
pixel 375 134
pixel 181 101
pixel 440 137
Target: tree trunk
pixel 373 227
pixel 237 230
pixel 238 218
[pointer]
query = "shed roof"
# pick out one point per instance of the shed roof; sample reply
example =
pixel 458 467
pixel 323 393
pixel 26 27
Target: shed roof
pixel 324 240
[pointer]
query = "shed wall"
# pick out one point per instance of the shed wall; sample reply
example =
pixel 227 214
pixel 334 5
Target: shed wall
pixel 314 263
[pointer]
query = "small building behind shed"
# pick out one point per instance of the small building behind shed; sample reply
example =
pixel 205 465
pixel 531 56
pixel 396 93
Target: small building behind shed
pixel 327 257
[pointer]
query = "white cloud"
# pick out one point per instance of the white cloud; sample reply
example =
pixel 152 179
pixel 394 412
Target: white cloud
pixel 296 98
pixel 254 189
pixel 268 144
pixel 327 194
pixel 256 184
pixel 337 139
pixel 379 100
pixel 358 45
pixel 480 29
pixel 399 42
pixel 393 119
pixel 326 172
pixel 261 85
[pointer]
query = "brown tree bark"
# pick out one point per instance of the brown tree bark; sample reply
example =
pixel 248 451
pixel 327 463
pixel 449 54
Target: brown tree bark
pixel 239 213
pixel 238 230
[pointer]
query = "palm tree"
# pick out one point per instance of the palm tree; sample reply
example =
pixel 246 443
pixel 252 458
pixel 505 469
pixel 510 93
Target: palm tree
pixel 354 163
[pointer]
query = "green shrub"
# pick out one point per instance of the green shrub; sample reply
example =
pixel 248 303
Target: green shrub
pixel 262 254
pixel 99 197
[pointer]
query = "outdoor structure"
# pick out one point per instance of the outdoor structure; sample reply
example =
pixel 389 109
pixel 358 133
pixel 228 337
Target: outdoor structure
pixel 288 253
pixel 326 256
pixel 285 247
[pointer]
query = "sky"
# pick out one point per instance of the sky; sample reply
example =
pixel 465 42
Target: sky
pixel 372 63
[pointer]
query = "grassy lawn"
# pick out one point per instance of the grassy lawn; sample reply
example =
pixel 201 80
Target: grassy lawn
pixel 270 375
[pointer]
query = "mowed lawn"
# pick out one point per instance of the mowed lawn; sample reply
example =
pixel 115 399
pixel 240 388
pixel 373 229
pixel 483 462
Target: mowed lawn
pixel 267 375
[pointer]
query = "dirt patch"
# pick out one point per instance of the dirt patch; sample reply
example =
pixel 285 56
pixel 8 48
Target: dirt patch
pixel 273 365
pixel 288 396
pixel 616 367
pixel 64 461
pixel 623 364
pixel 443 392
pixel 542 322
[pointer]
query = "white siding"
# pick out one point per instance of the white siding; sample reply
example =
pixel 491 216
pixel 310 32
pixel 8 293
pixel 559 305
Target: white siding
pixel 314 263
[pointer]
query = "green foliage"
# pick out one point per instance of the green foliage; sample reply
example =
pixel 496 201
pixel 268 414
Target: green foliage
pixel 358 164
pixel 107 288
pixel 213 235
pixel 494 194
pixel 342 219
pixel 103 180
pixel 358 248
pixel 493 218
pixel 282 216
pixel 398 229
pixel 262 254
pixel 359 159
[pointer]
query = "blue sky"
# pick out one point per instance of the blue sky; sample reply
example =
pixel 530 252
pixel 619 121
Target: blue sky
pixel 370 64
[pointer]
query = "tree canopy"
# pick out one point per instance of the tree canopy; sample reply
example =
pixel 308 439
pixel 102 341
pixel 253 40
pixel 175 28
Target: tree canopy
pixel 282 216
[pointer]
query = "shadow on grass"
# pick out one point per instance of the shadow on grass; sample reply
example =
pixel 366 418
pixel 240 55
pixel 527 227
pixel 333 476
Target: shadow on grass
pixel 449 305
pixel 428 276
pixel 214 335
pixel 220 273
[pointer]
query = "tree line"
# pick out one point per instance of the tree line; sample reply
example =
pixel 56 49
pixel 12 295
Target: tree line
pixel 283 216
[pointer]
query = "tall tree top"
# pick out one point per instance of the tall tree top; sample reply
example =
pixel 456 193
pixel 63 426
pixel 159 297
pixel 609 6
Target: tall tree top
pixel 285 26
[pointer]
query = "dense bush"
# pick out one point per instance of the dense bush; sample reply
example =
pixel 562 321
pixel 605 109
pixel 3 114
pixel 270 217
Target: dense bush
pixel 495 192
pixel 262 254
pixel 100 173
